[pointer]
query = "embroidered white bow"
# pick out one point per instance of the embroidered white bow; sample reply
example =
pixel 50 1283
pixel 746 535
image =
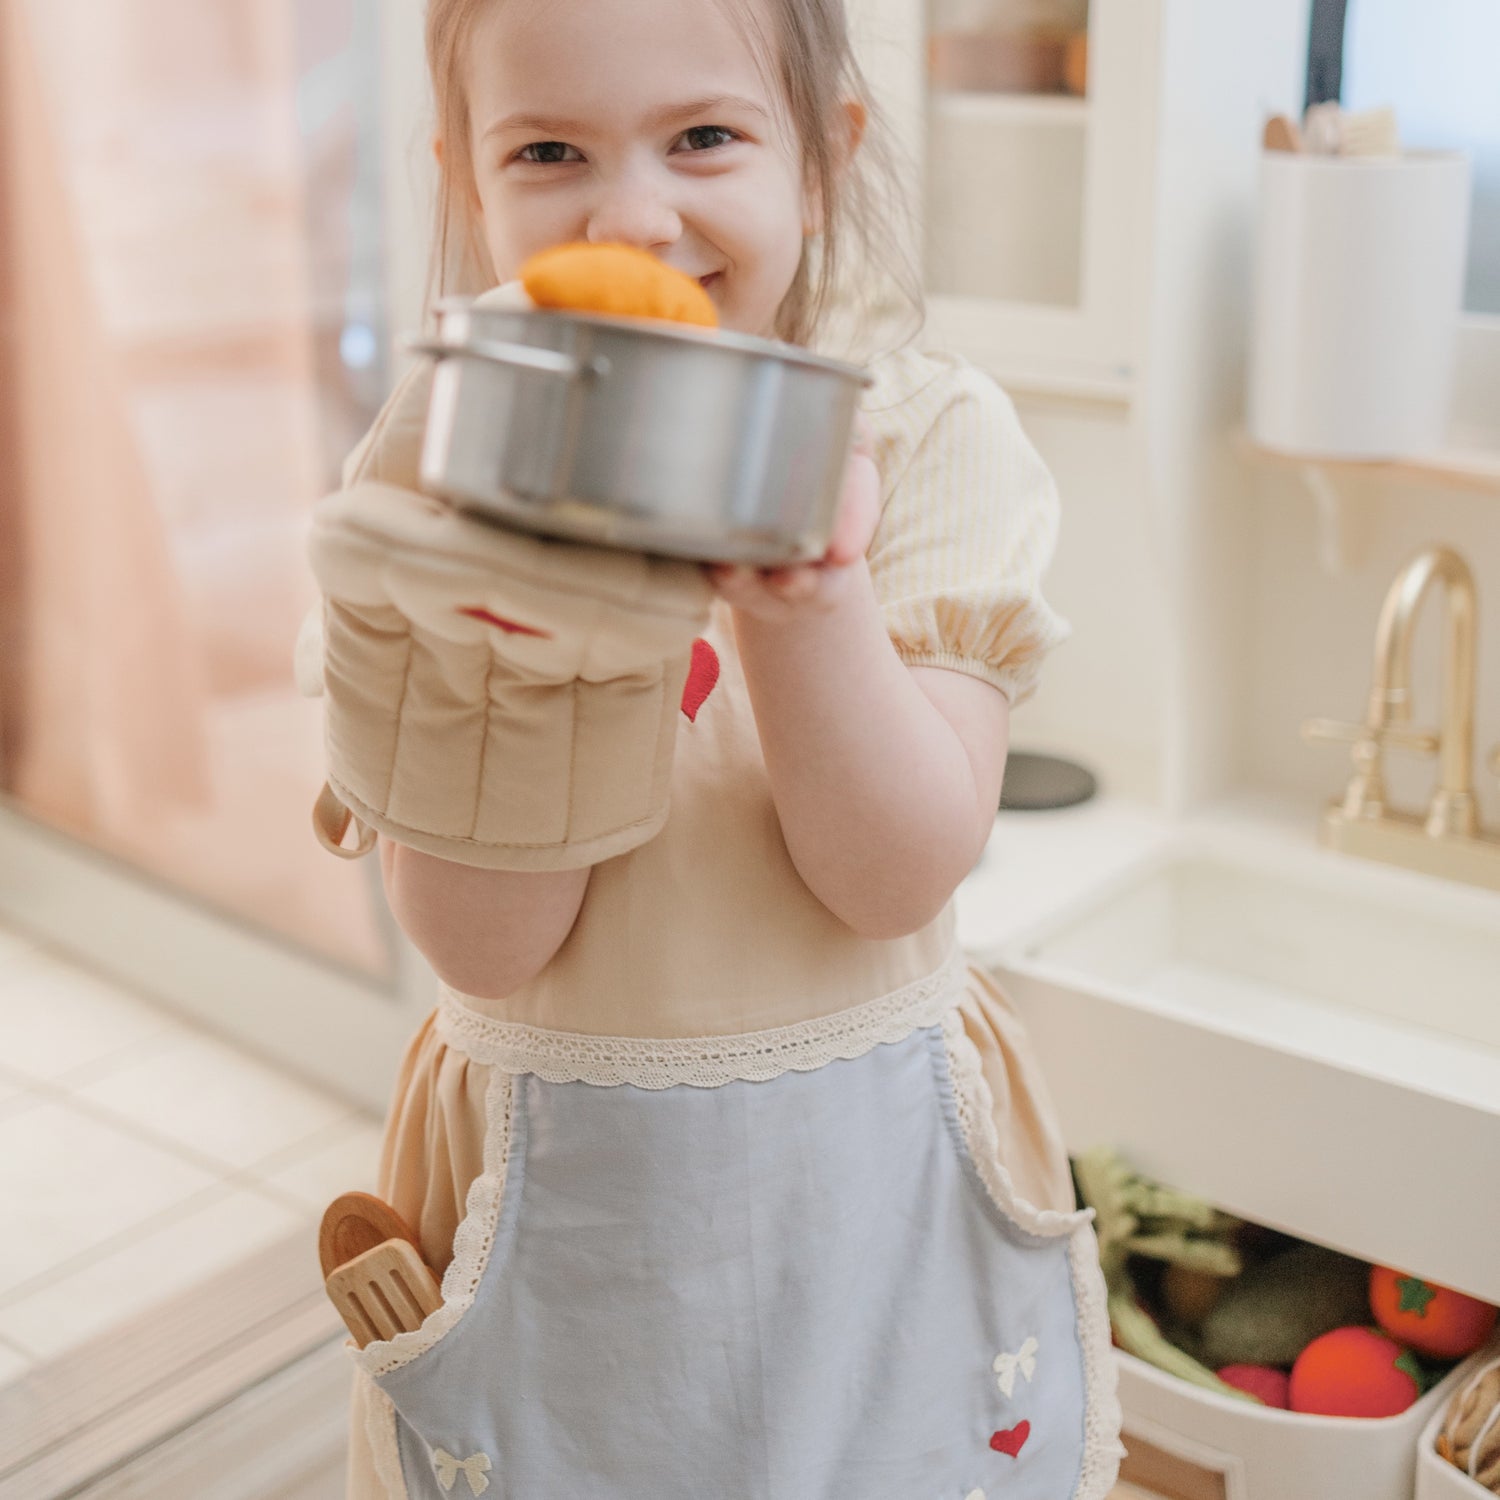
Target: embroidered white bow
pixel 474 1469
pixel 1024 1360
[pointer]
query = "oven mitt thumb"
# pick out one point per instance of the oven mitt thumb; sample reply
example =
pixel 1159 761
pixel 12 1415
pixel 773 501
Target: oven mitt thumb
pixel 492 697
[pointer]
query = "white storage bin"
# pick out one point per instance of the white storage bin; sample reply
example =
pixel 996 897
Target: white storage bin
pixel 1231 1449
pixel 1359 267
pixel 1437 1479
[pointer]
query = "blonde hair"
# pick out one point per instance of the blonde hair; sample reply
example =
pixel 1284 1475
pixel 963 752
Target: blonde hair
pixel 856 269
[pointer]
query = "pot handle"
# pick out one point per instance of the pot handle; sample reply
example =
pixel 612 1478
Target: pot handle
pixel 523 356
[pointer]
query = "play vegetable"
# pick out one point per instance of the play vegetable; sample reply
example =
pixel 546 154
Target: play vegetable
pixel 1355 1372
pixel 1430 1318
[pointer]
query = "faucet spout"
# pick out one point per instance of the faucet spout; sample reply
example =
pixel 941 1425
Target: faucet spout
pixel 1453 808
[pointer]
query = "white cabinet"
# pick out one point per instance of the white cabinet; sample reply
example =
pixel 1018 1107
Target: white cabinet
pixel 1034 199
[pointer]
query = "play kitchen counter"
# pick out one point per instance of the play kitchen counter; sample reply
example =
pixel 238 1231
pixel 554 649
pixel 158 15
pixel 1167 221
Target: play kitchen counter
pixel 1308 1041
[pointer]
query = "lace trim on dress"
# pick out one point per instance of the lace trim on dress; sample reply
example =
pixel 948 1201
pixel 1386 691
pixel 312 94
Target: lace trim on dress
pixel 385 1450
pixel 472 1241
pixel 975 1101
pixel 1102 1448
pixel 976 1115
pixel 703 1061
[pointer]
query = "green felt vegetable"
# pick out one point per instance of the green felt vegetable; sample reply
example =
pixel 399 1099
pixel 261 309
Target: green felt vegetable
pixel 1269 1315
pixel 1138 1335
pixel 1133 1216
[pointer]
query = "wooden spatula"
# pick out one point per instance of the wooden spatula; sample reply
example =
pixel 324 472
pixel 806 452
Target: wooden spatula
pixel 385 1291
pixel 373 1270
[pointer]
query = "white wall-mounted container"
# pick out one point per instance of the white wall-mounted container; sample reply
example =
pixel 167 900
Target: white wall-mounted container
pixel 1359 271
pixel 1245 1452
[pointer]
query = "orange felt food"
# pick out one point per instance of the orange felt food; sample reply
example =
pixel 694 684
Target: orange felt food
pixel 1353 1372
pixel 1433 1319
pixel 619 280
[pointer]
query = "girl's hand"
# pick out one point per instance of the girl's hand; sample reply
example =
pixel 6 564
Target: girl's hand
pixel 781 594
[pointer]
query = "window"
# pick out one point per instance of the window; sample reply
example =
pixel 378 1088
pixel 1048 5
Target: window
pixel 1437 62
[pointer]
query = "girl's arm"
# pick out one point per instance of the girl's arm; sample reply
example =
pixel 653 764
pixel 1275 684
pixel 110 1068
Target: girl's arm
pixel 485 932
pixel 886 778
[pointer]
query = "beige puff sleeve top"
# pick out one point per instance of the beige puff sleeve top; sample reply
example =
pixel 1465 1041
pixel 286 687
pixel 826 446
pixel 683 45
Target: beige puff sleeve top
pixel 969 523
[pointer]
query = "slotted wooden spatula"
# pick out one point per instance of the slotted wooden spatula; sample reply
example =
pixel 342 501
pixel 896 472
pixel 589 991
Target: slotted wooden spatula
pixel 373 1270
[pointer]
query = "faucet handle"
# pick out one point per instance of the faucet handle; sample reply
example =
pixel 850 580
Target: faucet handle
pixel 1335 731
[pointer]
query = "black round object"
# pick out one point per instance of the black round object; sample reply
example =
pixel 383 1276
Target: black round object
pixel 1034 783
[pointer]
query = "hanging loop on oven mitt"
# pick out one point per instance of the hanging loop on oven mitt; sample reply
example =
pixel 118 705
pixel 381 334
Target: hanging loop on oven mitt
pixel 492 697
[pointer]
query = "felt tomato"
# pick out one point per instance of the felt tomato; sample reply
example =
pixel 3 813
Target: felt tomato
pixel 1265 1381
pixel 1432 1319
pixel 1354 1372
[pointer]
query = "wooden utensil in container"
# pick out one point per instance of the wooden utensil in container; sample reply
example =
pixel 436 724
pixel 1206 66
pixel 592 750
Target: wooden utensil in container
pixel 1281 134
pixel 1007 62
pixel 373 1270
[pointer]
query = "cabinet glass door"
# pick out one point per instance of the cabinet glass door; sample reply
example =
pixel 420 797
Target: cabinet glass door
pixel 1007 126
pixel 1028 126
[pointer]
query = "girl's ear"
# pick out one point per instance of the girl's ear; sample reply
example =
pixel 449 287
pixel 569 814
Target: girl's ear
pixel 855 119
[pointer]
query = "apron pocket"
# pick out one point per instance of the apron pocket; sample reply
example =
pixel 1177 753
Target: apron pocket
pixel 1067 1242
pixel 407 1409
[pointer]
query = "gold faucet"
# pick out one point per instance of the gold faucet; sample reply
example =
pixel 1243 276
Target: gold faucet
pixel 1448 839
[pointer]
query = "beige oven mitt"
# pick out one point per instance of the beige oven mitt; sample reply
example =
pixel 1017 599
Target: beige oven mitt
pixel 492 697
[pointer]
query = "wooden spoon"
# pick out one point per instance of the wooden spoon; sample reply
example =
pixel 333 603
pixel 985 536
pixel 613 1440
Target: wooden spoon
pixel 1281 134
pixel 354 1223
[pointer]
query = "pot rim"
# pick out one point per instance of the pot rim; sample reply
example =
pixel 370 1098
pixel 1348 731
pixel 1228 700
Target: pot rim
pixel 662 330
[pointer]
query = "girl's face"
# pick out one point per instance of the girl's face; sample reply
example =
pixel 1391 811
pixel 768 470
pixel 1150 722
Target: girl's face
pixel 644 122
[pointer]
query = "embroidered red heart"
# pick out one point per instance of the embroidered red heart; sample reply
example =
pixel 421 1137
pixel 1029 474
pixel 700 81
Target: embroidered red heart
pixel 1011 1439
pixel 702 675
pixel 476 612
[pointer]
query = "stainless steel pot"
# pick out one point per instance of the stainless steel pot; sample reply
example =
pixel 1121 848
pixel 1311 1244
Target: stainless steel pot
pixel 657 437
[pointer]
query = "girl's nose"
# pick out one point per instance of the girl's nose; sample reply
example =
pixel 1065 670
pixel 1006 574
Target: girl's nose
pixel 633 212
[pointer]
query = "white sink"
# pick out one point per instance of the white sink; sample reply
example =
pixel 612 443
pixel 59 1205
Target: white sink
pixel 1303 1038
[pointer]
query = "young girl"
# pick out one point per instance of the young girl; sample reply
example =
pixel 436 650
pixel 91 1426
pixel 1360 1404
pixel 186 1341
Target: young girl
pixel 741 1181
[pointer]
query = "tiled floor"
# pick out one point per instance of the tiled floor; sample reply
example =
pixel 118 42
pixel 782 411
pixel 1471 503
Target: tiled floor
pixel 138 1155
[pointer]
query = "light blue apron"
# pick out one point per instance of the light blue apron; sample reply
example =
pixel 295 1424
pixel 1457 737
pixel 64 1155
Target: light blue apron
pixel 800 1288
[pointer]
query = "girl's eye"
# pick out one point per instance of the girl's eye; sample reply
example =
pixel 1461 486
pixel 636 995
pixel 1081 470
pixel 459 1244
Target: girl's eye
pixel 547 151
pixel 705 137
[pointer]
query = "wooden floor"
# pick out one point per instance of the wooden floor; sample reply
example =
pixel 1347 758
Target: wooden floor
pixel 234 1390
